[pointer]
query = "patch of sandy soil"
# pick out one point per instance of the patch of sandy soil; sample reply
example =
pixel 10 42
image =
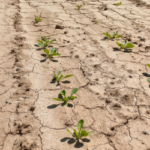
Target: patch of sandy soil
pixel 113 94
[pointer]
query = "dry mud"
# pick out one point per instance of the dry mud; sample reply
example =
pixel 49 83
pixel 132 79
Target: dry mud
pixel 113 96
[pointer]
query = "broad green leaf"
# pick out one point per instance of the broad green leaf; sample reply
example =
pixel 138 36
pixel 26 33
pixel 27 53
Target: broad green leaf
pixel 124 43
pixel 74 91
pixel 84 133
pixel 58 72
pixel 69 132
pixel 67 76
pixel 46 51
pixel 56 77
pixel 80 125
pixel 40 44
pixel 56 54
pixel 120 45
pixel 108 35
pixel 72 97
pixel 118 36
pixel 40 41
pixel 66 99
pixel 90 132
pixel 53 50
pixel 77 135
pixel 63 92
pixel 57 99
pixel 148 79
pixel 115 33
pixel 52 41
pixel 129 45
pixel 148 65
pixel 60 78
pixel 47 39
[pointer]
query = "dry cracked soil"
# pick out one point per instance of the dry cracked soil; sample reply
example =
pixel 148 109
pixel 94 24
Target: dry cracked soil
pixel 113 94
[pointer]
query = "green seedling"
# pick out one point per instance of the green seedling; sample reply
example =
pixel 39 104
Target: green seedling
pixel 115 35
pixel 59 76
pixel 96 22
pixel 45 43
pixel 64 99
pixel 148 79
pixel 125 45
pixel 45 38
pixel 117 4
pixel 37 19
pixel 51 53
pixel 81 133
pixel 78 6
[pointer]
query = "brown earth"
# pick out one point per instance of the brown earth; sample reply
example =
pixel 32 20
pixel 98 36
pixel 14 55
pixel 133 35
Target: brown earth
pixel 113 94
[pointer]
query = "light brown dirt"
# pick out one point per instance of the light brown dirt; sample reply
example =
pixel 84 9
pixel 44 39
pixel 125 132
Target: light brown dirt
pixel 113 94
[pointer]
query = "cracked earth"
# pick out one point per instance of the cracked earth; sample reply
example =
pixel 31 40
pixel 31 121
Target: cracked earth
pixel 113 94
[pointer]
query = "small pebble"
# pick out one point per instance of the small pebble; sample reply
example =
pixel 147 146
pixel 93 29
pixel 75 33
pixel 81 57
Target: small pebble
pixel 17 69
pixel 144 132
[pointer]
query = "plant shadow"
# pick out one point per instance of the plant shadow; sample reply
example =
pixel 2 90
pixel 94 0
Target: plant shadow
pixel 53 106
pixel 127 50
pixel 44 60
pixel 146 74
pixel 66 81
pixel 54 81
pixel 104 39
pixel 51 59
pixel 116 49
pixel 78 144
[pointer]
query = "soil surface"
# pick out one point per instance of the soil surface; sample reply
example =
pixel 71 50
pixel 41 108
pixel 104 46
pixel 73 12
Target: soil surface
pixel 113 94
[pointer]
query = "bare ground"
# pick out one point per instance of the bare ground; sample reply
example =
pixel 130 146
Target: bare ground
pixel 113 96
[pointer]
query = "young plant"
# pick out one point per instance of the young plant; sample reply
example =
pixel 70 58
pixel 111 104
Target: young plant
pixel 96 22
pixel 45 43
pixel 64 99
pixel 115 35
pixel 81 133
pixel 78 6
pixel 45 38
pixel 59 76
pixel 148 79
pixel 125 45
pixel 117 4
pixel 51 53
pixel 37 19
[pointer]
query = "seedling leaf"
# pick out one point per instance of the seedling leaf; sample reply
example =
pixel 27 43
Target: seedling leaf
pixel 57 99
pixel 53 50
pixel 81 132
pixel 63 92
pixel 80 125
pixel 58 72
pixel 108 35
pixel 148 79
pixel 84 133
pixel 115 35
pixel 52 41
pixel 67 76
pixel 46 51
pixel 76 133
pixel 129 45
pixel 74 91
pixel 70 132
pixel 148 65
